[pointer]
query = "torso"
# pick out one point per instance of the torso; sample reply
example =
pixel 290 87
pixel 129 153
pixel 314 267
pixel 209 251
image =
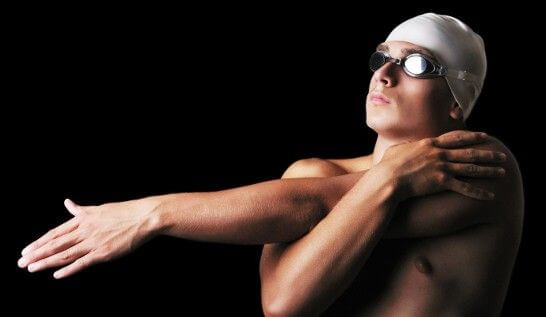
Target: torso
pixel 435 276
pixel 421 277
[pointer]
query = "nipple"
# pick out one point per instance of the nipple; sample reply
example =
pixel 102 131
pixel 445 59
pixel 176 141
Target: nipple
pixel 423 265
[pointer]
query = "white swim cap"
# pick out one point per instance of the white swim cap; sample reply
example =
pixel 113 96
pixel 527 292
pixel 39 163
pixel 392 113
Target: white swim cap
pixel 455 46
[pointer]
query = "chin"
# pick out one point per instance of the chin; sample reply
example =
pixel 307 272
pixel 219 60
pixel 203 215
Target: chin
pixel 386 126
pixel 381 122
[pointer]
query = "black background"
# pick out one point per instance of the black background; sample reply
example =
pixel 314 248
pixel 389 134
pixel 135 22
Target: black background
pixel 114 103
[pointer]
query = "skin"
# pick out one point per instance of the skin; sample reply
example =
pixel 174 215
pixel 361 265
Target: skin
pixel 368 200
pixel 433 255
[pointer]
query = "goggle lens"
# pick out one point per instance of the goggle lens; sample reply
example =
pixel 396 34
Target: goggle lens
pixel 415 65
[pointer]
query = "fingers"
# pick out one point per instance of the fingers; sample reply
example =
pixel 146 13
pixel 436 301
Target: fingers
pixel 475 156
pixel 78 265
pixel 469 190
pixel 50 248
pixel 472 170
pixel 63 229
pixel 72 207
pixel 459 138
pixel 62 258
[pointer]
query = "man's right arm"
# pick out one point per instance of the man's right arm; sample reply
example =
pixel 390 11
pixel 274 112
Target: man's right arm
pixel 269 212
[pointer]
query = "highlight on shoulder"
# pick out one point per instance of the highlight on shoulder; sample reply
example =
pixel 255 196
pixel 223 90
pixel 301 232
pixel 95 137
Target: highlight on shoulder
pixel 313 167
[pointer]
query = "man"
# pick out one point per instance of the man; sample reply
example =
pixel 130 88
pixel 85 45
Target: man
pixel 432 234
pixel 443 255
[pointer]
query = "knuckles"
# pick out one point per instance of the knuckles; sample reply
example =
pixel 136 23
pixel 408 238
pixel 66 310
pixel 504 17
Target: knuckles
pixel 427 142
pixel 442 166
pixel 471 153
pixel 442 178
pixel 473 169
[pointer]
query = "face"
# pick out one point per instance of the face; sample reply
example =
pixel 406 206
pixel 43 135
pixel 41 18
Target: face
pixel 399 105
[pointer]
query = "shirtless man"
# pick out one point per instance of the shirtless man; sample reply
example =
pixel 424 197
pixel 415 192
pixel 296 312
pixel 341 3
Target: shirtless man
pixel 405 231
pixel 441 254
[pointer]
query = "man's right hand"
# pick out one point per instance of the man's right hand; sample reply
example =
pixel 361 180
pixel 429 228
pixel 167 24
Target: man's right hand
pixel 430 165
pixel 95 234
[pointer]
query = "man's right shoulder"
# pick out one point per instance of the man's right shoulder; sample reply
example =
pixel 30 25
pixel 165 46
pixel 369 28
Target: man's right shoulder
pixel 313 167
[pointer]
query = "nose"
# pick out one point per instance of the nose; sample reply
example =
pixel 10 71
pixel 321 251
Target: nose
pixel 386 74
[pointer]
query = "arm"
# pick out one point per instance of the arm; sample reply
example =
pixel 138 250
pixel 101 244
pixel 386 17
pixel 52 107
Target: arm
pixel 284 210
pixel 273 211
pixel 442 213
pixel 282 270
pixel 309 274
pixel 448 212
pixel 425 216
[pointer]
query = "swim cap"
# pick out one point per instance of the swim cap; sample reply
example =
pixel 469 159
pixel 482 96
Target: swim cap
pixel 455 46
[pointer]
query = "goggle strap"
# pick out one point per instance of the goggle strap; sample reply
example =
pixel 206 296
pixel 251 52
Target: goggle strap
pixel 459 74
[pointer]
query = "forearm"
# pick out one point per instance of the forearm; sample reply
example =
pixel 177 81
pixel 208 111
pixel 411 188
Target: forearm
pixel 273 211
pixel 312 272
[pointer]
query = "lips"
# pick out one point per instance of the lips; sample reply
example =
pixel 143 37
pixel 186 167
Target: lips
pixel 378 97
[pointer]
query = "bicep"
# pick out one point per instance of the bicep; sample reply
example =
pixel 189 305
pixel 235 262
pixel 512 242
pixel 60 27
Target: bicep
pixel 443 213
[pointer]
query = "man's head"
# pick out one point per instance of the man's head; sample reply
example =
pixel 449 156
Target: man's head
pixel 453 60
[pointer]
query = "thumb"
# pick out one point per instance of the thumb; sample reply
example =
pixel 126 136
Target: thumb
pixel 72 207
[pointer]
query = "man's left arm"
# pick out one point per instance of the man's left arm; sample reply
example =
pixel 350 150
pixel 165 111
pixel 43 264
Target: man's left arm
pixel 448 212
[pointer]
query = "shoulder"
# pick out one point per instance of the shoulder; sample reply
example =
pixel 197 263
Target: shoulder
pixel 513 178
pixel 508 202
pixel 313 167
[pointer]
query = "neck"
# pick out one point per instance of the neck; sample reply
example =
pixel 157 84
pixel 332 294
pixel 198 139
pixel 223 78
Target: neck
pixel 383 142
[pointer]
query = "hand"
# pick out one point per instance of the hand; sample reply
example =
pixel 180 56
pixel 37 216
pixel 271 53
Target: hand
pixel 95 234
pixel 430 165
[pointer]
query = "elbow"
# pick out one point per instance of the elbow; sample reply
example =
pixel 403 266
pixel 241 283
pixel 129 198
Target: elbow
pixel 281 306
pixel 273 309
pixel 286 304
pixel 278 288
pixel 273 299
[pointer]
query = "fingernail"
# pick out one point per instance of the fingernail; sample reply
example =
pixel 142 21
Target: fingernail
pixel 57 274
pixel 502 171
pixel 483 135
pixel 25 251
pixel 22 262
pixel 503 156
pixel 32 267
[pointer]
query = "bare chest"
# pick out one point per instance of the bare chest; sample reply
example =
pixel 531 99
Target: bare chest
pixel 418 277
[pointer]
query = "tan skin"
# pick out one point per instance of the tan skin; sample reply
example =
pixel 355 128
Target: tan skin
pixel 290 212
pixel 441 255
pixel 429 261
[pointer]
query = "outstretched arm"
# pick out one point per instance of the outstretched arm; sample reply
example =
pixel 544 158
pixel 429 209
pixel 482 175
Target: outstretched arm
pixel 272 211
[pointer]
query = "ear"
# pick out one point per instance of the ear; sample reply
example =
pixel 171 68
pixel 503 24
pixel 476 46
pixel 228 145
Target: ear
pixel 455 111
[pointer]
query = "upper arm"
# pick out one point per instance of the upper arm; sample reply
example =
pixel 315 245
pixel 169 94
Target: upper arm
pixel 312 167
pixel 447 212
pixel 439 214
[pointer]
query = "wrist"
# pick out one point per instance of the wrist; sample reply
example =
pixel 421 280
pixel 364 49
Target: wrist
pixel 155 220
pixel 394 189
